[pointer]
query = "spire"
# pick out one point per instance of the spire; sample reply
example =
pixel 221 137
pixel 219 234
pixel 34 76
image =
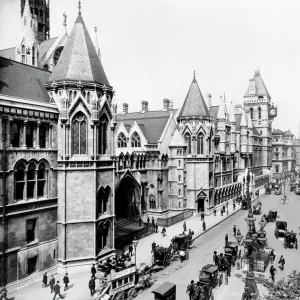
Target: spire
pixel 194 104
pixel 28 25
pixel 79 60
pixel 65 21
pixel 96 44
pixel 243 119
pixel 257 86
pixel 79 7
pixel 231 114
pixel 221 111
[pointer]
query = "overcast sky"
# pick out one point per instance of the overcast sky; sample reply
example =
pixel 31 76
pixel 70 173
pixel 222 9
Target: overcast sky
pixel 150 48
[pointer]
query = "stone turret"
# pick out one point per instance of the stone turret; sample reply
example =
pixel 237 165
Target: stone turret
pixel 221 120
pixel 243 129
pixel 232 122
pixel 250 136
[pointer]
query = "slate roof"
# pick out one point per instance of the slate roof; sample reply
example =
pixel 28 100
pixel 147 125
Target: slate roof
pixel 79 60
pixel 8 53
pixel 214 113
pixel 194 104
pixel 277 131
pixel 260 87
pixel 23 81
pixel 255 132
pixel 45 46
pixel 288 133
pixel 151 123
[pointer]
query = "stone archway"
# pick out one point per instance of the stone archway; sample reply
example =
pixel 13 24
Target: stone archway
pixel 127 197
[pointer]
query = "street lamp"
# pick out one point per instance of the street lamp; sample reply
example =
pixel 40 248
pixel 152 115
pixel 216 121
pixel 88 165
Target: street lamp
pixel 135 243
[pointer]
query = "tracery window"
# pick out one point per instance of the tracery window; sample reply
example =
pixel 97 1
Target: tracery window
pixel 103 200
pixel 79 134
pixel 103 128
pixel 31 180
pixel 135 140
pixel 152 202
pixel 188 140
pixel 200 138
pixel 122 140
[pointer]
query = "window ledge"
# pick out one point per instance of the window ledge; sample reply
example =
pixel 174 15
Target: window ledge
pixel 33 243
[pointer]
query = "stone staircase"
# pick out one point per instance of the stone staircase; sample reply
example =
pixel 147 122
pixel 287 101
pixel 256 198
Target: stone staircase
pixel 121 222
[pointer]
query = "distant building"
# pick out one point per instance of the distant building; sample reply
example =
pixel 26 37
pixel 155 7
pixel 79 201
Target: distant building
pixel 283 160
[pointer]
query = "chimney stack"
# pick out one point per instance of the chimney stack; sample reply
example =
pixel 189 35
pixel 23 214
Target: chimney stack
pixel 166 104
pixel 208 102
pixel 144 106
pixel 125 108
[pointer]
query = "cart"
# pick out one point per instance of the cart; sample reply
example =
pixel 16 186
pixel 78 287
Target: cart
pixel 281 229
pixel 290 240
pixel 180 241
pixel 209 279
pixel 161 256
pixel 167 291
pixel 231 252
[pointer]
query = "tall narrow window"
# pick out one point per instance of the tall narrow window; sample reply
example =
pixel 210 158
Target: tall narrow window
pixel 41 180
pixel 122 140
pixel 29 135
pixel 188 140
pixel 259 113
pixel 79 134
pixel 19 181
pixel 15 134
pixel 31 178
pixel 135 140
pixel 23 52
pixel 200 143
pixel 33 56
pixel 103 128
pixel 42 139
pixel 251 113
pixel 30 230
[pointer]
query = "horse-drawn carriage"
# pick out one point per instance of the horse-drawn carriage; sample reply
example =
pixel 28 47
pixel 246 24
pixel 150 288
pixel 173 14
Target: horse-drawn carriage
pixel 209 279
pixel 281 229
pixel 161 256
pixel 244 204
pixel 231 252
pixel 271 216
pixel 290 240
pixel 181 242
pixel 257 209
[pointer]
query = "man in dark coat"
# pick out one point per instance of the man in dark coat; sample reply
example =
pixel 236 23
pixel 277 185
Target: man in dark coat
pixel 190 290
pixel 66 281
pixel 156 228
pixel 52 283
pixel 153 223
pixel 226 239
pixel 57 291
pixel 140 221
pixel 216 258
pixel 92 286
pixel 148 220
pixel 272 273
pixel 202 216
pixel 153 246
pixel 234 230
pixel 93 270
pixel 130 250
pixel 204 225
pixel 282 262
pixel 45 279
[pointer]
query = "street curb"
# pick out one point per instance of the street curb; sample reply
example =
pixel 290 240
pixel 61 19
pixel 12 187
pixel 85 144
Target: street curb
pixel 193 239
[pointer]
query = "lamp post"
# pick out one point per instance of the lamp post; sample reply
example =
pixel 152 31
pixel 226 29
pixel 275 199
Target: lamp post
pixel 135 243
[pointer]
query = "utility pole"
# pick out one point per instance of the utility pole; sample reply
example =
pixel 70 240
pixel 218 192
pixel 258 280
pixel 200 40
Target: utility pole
pixel 3 274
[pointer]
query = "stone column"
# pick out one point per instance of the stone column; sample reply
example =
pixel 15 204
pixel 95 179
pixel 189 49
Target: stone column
pixel 67 126
pixel 10 121
pixel 24 146
pixel 37 141
pixel 62 141
pixel 93 143
pixel 36 184
pixel 97 137
pixel 50 136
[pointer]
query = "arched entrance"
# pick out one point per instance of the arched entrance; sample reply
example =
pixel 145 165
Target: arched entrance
pixel 127 197
pixel 201 201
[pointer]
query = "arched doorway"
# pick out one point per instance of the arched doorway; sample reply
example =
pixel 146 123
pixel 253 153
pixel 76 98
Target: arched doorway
pixel 201 201
pixel 127 197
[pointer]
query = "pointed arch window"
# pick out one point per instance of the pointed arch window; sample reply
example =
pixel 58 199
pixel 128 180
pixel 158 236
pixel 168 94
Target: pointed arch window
pixel 200 145
pixel 19 181
pixel 103 197
pixel 41 179
pixel 23 54
pixel 33 56
pixel 188 140
pixel 31 180
pixel 135 140
pixel 79 134
pixel 103 133
pixel 259 113
pixel 251 113
pixel 122 140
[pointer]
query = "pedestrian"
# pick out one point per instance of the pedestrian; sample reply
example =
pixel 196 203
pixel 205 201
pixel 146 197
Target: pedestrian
pixel 92 286
pixel 216 258
pixel 57 291
pixel 202 216
pixel 204 225
pixel 93 270
pixel 228 269
pixel 182 255
pixel 226 239
pixel 148 220
pixel 272 273
pixel 3 294
pixel 52 282
pixel 184 226
pixel 156 227
pixel 153 223
pixel 190 290
pixel 140 221
pixel 130 250
pixel 66 282
pixel 272 256
pixel 45 279
pixel 164 231
pixel 215 212
pixel 153 247
pixel 234 230
pixel 233 206
pixel 281 262
pixel 221 212
pixel 223 208
pixel 246 294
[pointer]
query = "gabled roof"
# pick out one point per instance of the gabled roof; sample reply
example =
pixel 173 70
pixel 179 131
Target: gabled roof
pixel 23 81
pixel 79 60
pixel 288 133
pixel 151 123
pixel 277 131
pixel 214 113
pixel 194 104
pixel 45 46
pixel 177 140
pixel 260 87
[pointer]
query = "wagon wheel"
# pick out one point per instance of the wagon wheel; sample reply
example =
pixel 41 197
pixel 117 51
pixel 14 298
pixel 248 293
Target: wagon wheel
pixel 119 296
pixel 166 261
pixel 132 293
pixel 153 260
pixel 183 247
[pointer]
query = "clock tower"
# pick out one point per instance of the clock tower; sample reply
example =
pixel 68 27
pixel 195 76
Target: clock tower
pixel 257 101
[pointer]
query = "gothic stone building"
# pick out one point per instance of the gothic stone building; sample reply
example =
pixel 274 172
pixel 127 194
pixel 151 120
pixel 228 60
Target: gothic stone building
pixel 72 165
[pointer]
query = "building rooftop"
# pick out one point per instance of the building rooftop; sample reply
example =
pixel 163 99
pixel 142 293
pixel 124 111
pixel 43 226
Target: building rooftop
pixel 260 87
pixel 278 132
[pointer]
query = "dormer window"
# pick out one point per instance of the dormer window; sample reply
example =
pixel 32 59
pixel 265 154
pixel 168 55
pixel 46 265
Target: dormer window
pixel 122 140
pixel 135 140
